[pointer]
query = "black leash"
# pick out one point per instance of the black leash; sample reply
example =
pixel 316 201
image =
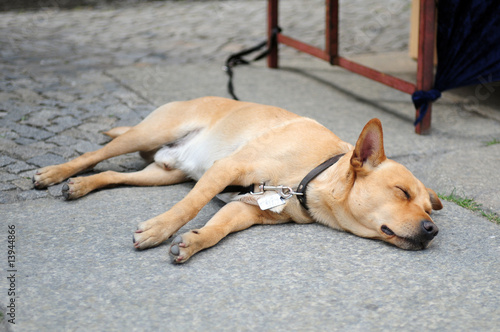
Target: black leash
pixel 236 59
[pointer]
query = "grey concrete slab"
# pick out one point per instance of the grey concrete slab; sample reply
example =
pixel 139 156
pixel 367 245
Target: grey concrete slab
pixel 77 270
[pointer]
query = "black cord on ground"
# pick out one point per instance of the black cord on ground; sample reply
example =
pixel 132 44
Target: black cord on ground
pixel 237 59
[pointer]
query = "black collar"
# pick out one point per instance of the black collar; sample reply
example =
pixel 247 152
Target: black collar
pixel 313 174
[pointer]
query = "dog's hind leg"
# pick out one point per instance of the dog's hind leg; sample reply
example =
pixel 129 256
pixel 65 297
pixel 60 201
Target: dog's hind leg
pixel 131 141
pixel 152 175
pixel 148 156
pixel 159 128
pixel 234 217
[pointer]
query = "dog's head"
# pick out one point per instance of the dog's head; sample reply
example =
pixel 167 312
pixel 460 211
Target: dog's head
pixel 384 200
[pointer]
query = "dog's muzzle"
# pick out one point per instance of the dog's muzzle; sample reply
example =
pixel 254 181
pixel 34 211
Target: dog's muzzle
pixel 422 238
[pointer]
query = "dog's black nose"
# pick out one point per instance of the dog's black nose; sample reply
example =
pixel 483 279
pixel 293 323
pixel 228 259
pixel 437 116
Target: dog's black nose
pixel 429 229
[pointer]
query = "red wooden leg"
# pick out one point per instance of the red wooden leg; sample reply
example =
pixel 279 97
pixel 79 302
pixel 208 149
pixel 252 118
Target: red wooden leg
pixel 272 23
pixel 331 30
pixel 425 65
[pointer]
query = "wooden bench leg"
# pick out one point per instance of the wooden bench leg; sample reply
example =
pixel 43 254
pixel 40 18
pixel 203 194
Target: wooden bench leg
pixel 332 30
pixel 272 23
pixel 425 69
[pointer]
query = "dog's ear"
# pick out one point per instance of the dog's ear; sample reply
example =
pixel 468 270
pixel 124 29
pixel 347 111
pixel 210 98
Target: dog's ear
pixel 369 150
pixel 435 201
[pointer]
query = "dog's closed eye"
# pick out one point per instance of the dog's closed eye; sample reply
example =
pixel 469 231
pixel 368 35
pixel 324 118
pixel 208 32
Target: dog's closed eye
pixel 404 192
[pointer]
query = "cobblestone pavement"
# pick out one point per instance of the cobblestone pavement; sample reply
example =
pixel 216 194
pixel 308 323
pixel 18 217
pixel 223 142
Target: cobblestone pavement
pixel 57 96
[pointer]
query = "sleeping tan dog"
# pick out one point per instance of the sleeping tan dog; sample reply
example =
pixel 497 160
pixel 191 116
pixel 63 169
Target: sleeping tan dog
pixel 262 161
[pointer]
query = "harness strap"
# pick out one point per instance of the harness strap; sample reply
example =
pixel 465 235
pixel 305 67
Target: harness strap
pixel 313 174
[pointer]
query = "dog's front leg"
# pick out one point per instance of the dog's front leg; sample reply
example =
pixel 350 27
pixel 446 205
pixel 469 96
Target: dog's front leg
pixel 233 217
pixel 158 229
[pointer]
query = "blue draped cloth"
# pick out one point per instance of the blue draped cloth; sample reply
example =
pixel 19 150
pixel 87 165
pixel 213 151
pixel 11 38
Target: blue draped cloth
pixel 468 47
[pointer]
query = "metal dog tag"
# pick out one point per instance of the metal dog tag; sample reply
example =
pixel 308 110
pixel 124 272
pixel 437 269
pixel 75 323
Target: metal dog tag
pixel 270 201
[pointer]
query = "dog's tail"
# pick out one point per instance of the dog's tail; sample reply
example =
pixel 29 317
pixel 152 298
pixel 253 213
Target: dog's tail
pixel 115 132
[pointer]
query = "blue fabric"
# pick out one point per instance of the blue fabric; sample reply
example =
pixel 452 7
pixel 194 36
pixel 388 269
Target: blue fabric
pixel 468 45
pixel 422 99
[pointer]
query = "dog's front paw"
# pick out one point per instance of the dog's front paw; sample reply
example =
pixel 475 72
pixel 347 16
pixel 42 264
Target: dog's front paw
pixel 179 250
pixel 184 246
pixel 75 188
pixel 47 176
pixel 150 234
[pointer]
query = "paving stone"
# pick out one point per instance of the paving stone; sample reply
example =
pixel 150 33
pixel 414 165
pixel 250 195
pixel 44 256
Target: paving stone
pixel 42 145
pixel 4 176
pixel 32 194
pixel 7 186
pixel 129 118
pixel 89 136
pixel 56 191
pixel 62 140
pixel 62 123
pixel 72 109
pixel 7 96
pixel 16 110
pixel 8 196
pixel 18 167
pixel 66 152
pixel 7 144
pixel 59 95
pixel 50 103
pixel 86 146
pixel 23 183
pixel 6 160
pixel 109 165
pixel 46 160
pixel 7 133
pixel 95 125
pixel 93 108
pixel 28 95
pixel 144 110
pixel 31 132
pixel 41 118
pixel 24 141
pixel 27 174
pixel 24 152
